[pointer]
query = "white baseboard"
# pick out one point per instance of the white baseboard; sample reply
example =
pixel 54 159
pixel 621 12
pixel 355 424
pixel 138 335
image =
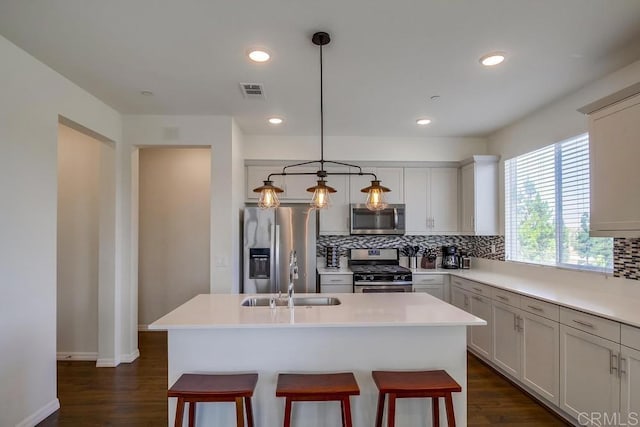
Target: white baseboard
pixel 128 358
pixel 77 355
pixel 107 363
pixel 40 414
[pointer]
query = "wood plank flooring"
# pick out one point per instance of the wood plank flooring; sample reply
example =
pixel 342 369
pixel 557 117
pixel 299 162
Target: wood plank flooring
pixel 135 394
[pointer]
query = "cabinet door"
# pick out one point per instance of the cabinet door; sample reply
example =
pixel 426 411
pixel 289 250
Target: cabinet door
pixel 614 152
pixel 392 178
pixel 460 299
pixel 257 174
pixel 467 199
pixel 588 373
pixel 541 355
pixel 415 186
pixel 630 386
pixel 295 186
pixel 434 290
pixel 506 338
pixel 335 219
pixel 481 336
pixel 443 199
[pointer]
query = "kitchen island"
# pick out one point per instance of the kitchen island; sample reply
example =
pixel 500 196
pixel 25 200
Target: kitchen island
pixel 365 332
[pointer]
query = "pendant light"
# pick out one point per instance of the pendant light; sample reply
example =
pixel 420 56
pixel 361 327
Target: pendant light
pixel 321 191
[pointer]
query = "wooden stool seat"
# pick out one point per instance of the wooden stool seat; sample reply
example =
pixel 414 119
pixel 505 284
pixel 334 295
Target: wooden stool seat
pixel 193 388
pixel 433 384
pixel 317 388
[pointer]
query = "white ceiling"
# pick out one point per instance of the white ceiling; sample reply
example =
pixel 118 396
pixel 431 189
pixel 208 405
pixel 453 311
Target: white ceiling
pixel 385 60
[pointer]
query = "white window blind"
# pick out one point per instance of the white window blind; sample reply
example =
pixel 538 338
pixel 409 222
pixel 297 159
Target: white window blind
pixel 547 208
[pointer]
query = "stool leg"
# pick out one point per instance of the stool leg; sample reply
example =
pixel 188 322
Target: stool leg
pixel 391 413
pixel 192 414
pixel 380 410
pixel 451 418
pixel 239 412
pixel 249 409
pixel 346 412
pixel 287 413
pixel 435 408
pixel 179 412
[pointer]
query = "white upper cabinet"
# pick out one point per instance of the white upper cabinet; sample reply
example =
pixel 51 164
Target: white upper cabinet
pixel 431 198
pixel 479 196
pixel 255 177
pixel 334 220
pixel 392 178
pixel 614 146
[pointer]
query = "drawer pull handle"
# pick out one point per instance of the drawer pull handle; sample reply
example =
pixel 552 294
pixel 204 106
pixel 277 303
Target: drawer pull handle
pixel 613 362
pixel 533 307
pixel 623 370
pixel 477 298
pixel 587 324
pixel 503 298
pixel 477 289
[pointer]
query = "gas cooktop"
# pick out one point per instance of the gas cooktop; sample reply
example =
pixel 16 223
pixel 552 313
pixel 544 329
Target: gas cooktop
pixel 379 269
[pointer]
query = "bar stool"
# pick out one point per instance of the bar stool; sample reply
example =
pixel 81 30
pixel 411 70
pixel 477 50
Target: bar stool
pixel 193 388
pixel 433 384
pixel 317 388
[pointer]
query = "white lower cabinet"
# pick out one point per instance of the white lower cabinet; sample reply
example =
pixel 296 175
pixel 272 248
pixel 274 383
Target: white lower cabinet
pixel 481 336
pixel 629 386
pixel 336 283
pixel 540 369
pixel 507 342
pixel 434 290
pixel 589 380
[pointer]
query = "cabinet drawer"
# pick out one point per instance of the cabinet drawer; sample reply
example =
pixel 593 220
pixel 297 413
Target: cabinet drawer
pixel 336 288
pixel 505 297
pixel 471 286
pixel 336 279
pixel 428 279
pixel 594 325
pixel 541 308
pixel 630 336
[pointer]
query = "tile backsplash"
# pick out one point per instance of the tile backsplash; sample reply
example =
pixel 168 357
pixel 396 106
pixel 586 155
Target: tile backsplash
pixel 475 246
pixel 626 258
pixel 626 252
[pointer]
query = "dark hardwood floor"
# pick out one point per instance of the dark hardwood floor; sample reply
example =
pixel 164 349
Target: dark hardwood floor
pixel 135 394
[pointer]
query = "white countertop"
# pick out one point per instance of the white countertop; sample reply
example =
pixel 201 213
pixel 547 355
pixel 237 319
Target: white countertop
pixel 213 311
pixel 604 303
pixel 339 270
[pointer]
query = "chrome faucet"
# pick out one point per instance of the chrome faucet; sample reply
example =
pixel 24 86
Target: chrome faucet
pixel 293 275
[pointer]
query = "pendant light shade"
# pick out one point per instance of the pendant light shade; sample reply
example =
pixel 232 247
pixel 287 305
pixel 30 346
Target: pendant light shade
pixel 321 192
pixel 268 195
pixel 375 198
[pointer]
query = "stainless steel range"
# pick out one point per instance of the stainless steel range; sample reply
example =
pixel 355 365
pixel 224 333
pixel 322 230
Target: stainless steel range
pixel 378 270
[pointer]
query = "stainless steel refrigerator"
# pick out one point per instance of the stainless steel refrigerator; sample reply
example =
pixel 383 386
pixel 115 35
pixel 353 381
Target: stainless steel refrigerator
pixel 269 237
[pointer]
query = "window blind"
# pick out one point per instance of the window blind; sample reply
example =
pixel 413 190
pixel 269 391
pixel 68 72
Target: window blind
pixel 547 208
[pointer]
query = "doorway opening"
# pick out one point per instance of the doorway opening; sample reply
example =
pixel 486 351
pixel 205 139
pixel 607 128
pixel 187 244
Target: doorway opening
pixel 174 217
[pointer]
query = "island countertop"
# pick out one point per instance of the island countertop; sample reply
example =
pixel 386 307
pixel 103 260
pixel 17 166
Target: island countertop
pixel 216 311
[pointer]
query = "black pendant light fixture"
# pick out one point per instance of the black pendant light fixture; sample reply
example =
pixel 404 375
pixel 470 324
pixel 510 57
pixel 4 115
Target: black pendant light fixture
pixel 321 191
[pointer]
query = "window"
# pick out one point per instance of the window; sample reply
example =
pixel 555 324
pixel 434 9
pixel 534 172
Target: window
pixel 547 209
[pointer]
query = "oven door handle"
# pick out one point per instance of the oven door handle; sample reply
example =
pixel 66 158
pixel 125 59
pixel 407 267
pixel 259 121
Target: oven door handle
pixel 395 218
pixel 372 284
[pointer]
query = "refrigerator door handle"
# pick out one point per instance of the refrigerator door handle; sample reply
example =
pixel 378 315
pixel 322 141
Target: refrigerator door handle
pixel 275 283
pixel 395 218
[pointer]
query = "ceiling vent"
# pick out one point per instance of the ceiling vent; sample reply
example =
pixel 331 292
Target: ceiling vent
pixel 252 90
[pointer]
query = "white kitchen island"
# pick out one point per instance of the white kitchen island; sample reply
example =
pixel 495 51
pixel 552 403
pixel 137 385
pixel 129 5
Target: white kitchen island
pixel 398 331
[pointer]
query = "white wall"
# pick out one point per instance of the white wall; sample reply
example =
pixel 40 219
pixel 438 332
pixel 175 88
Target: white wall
pixel 33 96
pixel 198 131
pixel 273 147
pixel 174 212
pixel 555 122
pixel 78 244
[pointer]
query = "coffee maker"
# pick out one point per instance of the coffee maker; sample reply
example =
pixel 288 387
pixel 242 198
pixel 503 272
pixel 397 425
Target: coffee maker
pixel 450 257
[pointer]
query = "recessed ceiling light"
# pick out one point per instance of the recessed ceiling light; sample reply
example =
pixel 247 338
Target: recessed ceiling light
pixel 275 120
pixel 493 58
pixel 423 122
pixel 259 55
pixel 146 93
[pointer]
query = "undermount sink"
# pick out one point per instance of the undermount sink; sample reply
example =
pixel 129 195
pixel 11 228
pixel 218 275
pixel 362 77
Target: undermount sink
pixel 297 301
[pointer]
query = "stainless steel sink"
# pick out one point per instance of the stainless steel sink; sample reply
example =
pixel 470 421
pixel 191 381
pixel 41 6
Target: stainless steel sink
pixel 297 301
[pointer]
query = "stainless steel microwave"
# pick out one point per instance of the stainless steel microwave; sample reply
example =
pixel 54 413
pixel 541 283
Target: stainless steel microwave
pixel 389 220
